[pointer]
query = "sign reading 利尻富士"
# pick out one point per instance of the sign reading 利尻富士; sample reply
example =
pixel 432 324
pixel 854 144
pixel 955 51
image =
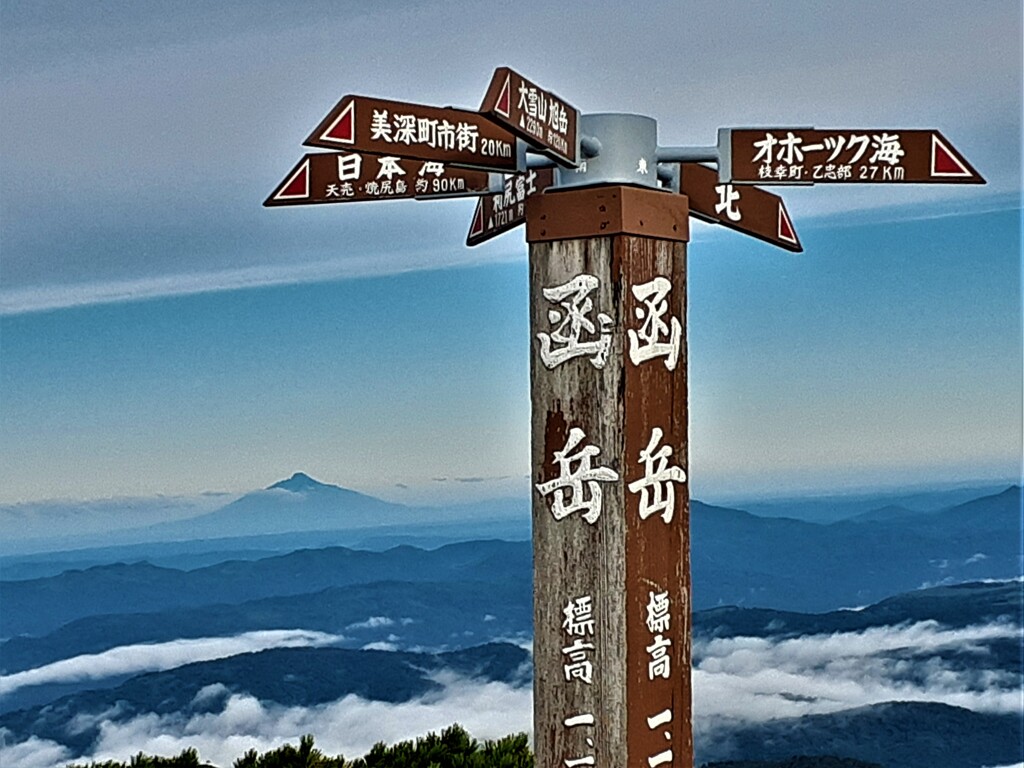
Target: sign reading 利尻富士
pixel 349 177
pixel 843 156
pixel 506 210
pixel 443 134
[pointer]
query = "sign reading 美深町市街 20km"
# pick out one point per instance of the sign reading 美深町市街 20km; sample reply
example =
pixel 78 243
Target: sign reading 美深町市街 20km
pixel 607 216
pixel 442 134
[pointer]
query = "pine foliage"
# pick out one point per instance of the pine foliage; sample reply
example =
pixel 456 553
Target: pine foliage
pixel 452 748
pixel 189 758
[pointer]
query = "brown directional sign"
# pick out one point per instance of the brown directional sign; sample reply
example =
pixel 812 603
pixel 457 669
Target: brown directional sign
pixel 445 135
pixel 348 177
pixel 505 210
pixel 746 209
pixel 843 156
pixel 538 116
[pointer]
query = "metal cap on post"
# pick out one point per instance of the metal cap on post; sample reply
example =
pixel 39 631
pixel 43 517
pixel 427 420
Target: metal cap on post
pixel 614 192
pixel 628 152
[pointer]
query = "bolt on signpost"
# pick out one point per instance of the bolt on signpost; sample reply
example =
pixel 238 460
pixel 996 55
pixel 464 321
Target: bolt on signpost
pixel 607 218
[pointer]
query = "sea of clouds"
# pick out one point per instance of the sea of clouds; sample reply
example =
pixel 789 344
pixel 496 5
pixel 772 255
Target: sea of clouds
pixel 738 679
pixel 156 657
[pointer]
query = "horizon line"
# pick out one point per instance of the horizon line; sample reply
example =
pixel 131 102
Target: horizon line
pixel 819 493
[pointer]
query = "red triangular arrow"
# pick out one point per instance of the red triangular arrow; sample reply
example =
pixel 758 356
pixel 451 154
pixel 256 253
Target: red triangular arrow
pixel 342 130
pixel 297 187
pixel 945 162
pixel 786 231
pixel 477 227
pixel 504 105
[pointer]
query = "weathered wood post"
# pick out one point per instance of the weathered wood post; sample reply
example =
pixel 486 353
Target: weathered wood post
pixel 610 503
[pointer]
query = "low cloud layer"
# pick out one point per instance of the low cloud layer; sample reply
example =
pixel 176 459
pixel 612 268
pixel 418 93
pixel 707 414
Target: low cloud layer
pixel 756 679
pixel 350 726
pixel 739 679
pixel 61 518
pixel 135 659
pixel 34 753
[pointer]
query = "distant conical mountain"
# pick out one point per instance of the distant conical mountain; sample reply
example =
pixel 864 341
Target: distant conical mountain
pixel 298 483
pixel 298 503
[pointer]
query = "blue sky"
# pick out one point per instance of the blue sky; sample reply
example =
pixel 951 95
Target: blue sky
pixel 160 332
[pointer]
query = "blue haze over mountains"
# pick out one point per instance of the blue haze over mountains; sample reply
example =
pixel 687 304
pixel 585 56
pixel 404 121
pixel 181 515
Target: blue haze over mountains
pixel 738 558
pixel 334 593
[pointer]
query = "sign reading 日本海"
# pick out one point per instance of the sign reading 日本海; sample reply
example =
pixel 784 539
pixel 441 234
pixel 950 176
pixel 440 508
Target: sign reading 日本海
pixel 442 134
pixel 544 120
pixel 348 177
pixel 746 209
pixel 844 156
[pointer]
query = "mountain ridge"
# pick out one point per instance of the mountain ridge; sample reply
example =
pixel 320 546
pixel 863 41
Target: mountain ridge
pixel 289 676
pixel 737 558
pixel 908 734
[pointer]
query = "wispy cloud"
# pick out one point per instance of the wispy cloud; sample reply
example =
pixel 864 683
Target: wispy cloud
pixel 53 296
pixel 350 726
pixel 47 297
pixel 755 679
pixel 372 623
pixel 134 659
pixel 33 753
pixel 380 645
pixel 60 518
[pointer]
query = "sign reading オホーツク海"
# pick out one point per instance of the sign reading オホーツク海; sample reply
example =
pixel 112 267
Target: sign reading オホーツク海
pixel 348 177
pixel 843 156
pixel 442 134
pixel 544 120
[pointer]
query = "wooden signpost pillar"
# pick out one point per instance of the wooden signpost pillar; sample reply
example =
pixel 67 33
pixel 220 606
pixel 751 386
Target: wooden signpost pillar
pixel 610 498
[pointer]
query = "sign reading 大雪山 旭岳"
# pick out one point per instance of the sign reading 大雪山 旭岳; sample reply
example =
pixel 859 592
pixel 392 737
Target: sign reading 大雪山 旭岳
pixel 544 120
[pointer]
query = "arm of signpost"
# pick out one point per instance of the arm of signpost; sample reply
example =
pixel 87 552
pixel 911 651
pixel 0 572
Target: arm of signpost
pixel 687 154
pixel 590 146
